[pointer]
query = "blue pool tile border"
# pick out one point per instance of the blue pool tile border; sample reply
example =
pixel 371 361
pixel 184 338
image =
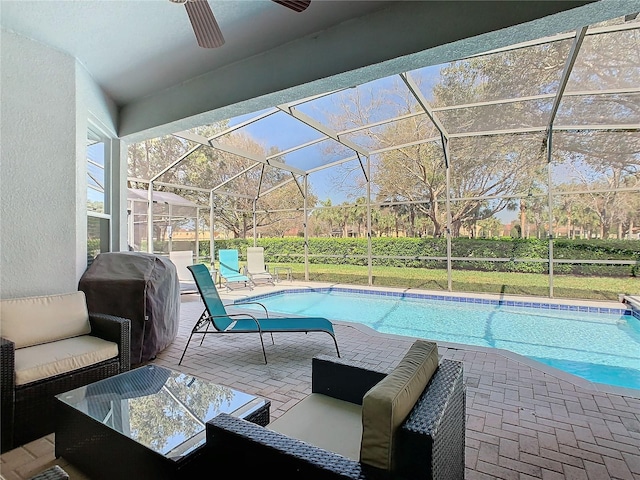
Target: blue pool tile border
pixel 455 299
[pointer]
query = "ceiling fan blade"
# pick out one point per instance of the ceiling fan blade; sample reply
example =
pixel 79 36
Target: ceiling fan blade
pixel 205 26
pixel 296 5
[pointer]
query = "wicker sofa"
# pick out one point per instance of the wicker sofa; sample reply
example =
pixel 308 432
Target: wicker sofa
pixel 358 423
pixel 49 345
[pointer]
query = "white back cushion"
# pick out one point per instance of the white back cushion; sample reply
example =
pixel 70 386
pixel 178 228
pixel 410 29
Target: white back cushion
pixel 35 320
pixel 255 260
pixel 182 259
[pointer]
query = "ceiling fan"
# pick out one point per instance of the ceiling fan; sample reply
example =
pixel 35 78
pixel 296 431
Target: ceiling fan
pixel 205 26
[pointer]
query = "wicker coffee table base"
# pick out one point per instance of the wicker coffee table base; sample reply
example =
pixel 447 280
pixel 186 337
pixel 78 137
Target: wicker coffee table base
pixel 53 473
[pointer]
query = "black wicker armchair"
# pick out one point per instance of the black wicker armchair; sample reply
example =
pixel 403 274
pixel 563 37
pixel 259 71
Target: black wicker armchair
pixel 27 411
pixel 430 443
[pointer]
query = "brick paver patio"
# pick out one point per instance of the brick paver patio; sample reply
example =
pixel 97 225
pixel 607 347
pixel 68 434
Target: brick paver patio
pixel 524 421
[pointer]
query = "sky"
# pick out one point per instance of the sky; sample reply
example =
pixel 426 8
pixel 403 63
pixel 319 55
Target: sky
pixel 283 132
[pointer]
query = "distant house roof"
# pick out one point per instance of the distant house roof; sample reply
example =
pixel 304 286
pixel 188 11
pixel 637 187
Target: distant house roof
pixel 138 194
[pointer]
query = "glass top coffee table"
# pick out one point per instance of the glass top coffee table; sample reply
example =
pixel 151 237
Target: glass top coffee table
pixel 145 423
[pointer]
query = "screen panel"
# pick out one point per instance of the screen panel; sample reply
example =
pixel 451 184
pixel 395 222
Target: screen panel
pixel 413 129
pixel 498 165
pixel 595 160
pixel 272 134
pixel 601 110
pixel 607 61
pixel 523 72
pixel 532 114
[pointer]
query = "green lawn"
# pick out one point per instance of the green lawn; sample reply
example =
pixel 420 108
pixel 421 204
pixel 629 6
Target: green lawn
pixel 592 288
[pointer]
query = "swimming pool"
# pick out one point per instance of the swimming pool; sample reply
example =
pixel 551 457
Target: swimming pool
pixel 599 344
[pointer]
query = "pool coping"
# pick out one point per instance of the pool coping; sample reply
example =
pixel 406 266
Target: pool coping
pixel 606 307
pixel 595 306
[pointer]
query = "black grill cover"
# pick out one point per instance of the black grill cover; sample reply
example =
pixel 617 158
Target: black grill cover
pixel 141 287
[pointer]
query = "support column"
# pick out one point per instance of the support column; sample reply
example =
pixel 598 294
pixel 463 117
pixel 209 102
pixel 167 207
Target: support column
pixel 306 233
pixel 445 149
pixel 255 222
pixel 369 246
pixel 150 218
pixel 212 244
pixel 550 200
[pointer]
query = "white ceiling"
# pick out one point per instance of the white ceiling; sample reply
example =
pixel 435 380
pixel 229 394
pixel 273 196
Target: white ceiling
pixel 144 55
pixel 138 47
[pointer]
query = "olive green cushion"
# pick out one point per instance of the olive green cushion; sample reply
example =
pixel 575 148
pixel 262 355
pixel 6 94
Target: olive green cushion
pixel 386 405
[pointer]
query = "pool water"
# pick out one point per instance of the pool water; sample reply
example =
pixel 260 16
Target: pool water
pixel 600 347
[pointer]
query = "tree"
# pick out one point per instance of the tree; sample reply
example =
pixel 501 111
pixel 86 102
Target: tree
pixel 502 166
pixel 489 227
pixel 358 215
pixel 382 221
pixel 326 217
pixel 148 158
pixel 494 166
pixel 208 168
pixel 600 163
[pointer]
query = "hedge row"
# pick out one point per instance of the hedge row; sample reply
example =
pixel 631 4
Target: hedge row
pixel 353 251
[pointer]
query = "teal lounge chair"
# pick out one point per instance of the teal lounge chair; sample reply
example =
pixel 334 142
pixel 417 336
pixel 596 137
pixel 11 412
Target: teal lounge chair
pixel 230 270
pixel 215 318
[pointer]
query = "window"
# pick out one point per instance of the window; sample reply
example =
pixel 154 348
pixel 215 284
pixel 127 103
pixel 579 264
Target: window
pixel 98 198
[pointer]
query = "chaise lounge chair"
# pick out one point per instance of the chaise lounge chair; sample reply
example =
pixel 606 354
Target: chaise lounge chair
pixel 230 270
pixel 182 259
pixel 215 319
pixel 256 269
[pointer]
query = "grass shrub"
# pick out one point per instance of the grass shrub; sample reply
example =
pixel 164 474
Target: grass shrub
pixel 353 251
pixel 343 260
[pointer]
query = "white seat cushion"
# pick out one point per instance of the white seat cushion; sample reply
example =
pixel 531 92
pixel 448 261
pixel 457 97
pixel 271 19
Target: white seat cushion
pixel 325 422
pixel 54 358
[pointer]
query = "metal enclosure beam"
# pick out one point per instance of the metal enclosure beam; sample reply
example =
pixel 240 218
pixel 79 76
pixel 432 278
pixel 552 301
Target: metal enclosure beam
pixel 304 118
pixel 566 73
pixel 422 101
pixel 235 151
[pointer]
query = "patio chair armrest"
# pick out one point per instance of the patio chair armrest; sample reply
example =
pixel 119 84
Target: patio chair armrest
pixel 234 315
pixel 7 357
pixel 342 379
pixel 432 438
pixel 252 450
pixel 7 389
pixel 7 367
pixel 114 329
pixel 250 303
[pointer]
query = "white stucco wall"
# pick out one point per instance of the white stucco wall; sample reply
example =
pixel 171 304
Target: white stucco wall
pixel 42 168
